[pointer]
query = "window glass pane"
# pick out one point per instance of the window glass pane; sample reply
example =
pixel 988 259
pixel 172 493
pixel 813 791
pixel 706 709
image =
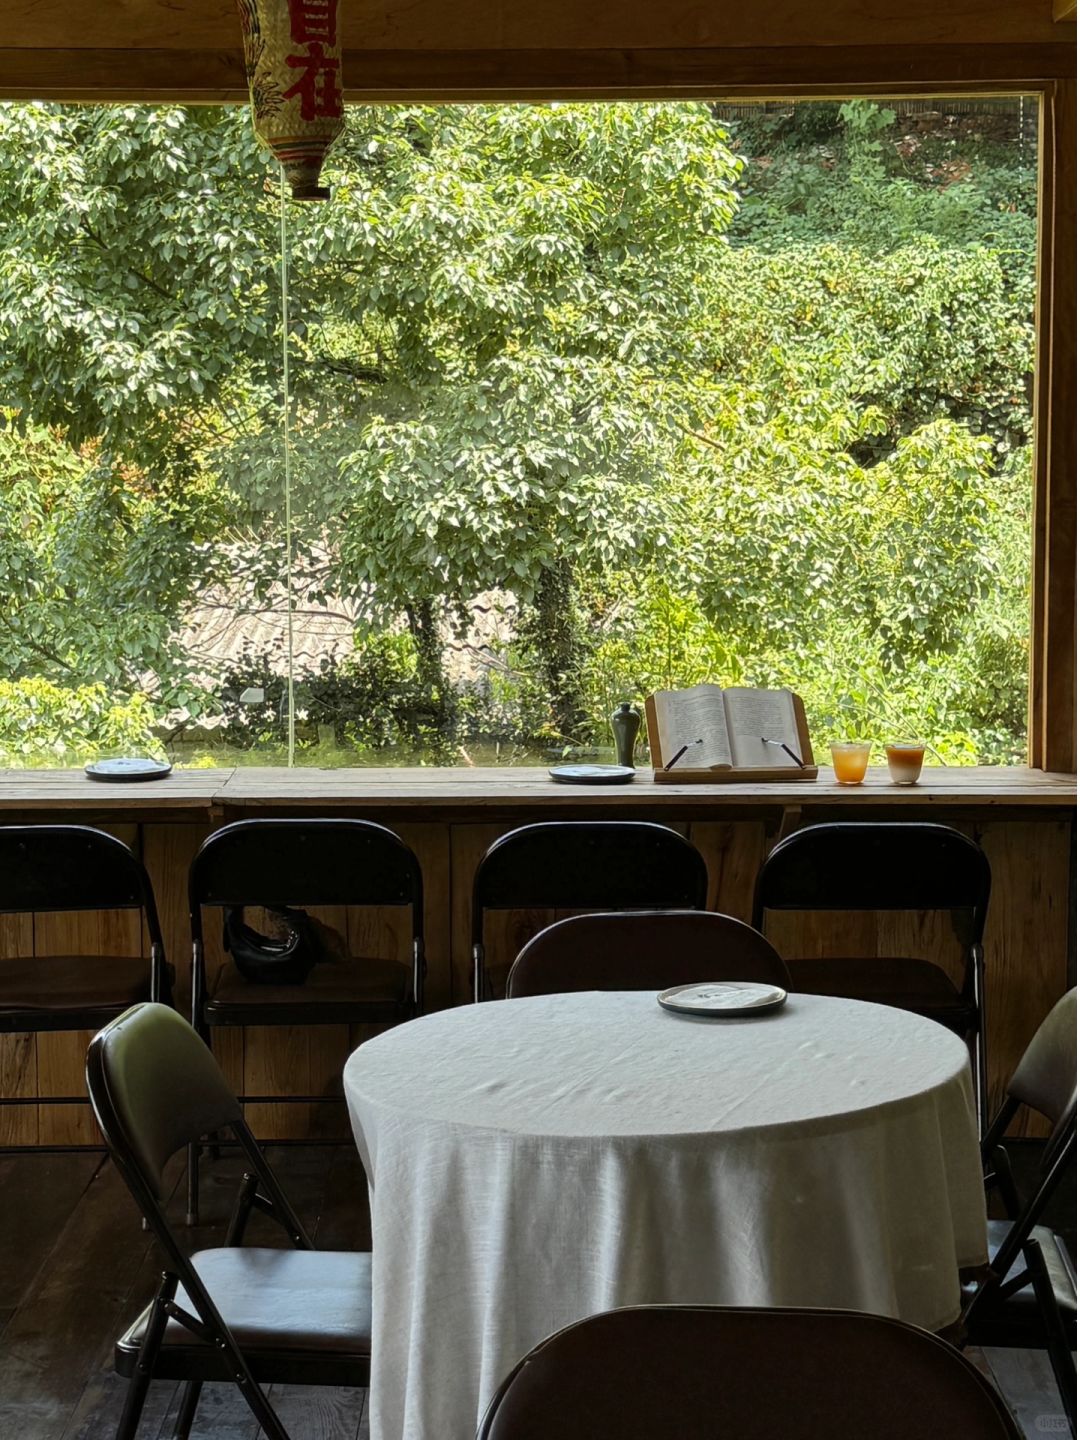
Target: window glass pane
pixel 586 400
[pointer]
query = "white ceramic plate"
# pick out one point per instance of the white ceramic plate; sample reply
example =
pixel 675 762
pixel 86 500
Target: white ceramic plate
pixel 592 774
pixel 127 769
pixel 723 998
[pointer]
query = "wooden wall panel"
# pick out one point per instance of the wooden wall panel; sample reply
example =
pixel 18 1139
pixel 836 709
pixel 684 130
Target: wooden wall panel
pixel 504 934
pixel 431 846
pixel 1026 938
pixel 167 852
pixel 18 1053
pixel 295 1060
pixel 733 851
pixel 1026 951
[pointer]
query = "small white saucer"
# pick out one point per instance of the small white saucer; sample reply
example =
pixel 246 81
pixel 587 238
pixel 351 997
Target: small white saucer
pixel 127 769
pixel 592 774
pixel 723 998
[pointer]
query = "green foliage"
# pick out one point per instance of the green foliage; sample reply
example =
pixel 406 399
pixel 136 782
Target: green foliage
pixel 46 724
pixel 96 562
pixel 373 699
pixel 760 420
pixel 136 264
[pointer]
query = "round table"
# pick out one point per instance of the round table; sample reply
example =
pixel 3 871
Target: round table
pixel 534 1161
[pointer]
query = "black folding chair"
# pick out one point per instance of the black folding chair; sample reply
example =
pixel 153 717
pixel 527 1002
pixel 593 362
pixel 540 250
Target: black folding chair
pixel 909 865
pixel 643 950
pixel 1026 1299
pixel 712 1373
pixel 64 868
pixel 249 1315
pixel 584 865
pixel 274 863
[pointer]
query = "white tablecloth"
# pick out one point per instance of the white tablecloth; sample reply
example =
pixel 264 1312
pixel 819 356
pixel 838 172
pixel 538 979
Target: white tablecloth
pixel 534 1161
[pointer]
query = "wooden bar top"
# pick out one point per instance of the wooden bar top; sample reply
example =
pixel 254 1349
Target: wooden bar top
pixel 477 792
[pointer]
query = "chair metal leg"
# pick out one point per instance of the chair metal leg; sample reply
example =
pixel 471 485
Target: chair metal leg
pixel 188 1404
pixel 139 1383
pixel 1058 1345
pixel 133 1407
pixel 978 1041
pixel 478 974
pixel 262 1410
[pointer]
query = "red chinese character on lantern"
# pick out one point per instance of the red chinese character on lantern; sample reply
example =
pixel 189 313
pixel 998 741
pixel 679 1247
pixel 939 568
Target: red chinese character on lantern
pixel 313 22
pixel 317 85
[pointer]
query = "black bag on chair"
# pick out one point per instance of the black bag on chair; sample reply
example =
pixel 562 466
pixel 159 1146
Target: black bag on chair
pixel 285 959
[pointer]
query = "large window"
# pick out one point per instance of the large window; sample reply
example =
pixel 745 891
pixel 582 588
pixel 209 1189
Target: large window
pixel 583 401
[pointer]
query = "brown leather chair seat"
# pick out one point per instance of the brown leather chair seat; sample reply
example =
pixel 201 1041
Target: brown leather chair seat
pixel 73 982
pixel 908 984
pixel 274 1302
pixel 356 981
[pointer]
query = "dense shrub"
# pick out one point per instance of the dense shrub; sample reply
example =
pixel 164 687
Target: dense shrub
pixel 46 724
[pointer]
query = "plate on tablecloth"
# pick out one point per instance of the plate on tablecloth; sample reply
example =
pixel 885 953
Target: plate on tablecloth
pixel 723 999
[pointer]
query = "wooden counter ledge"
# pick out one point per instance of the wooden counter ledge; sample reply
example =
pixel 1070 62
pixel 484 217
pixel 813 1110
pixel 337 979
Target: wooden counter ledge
pixel 1024 820
pixel 477 792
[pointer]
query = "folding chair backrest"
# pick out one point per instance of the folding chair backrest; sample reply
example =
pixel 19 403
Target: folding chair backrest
pixel 643 950
pixel 305 862
pixel 707 1374
pixel 155 1088
pixel 877 865
pixel 72 867
pixel 1045 1079
pixel 590 865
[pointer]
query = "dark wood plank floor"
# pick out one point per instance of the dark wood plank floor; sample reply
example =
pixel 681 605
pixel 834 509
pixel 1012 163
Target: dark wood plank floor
pixel 75 1266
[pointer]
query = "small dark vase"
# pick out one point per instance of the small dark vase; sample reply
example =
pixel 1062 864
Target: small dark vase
pixel 625 724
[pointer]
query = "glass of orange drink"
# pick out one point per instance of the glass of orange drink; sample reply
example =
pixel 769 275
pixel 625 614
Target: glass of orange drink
pixel 850 759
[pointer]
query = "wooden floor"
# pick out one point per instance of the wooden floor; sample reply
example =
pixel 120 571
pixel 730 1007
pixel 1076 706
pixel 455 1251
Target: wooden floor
pixel 75 1266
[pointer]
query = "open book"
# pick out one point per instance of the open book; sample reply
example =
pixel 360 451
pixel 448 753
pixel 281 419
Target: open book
pixel 729 730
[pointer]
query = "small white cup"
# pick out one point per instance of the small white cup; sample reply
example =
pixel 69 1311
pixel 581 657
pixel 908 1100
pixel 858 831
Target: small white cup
pixel 905 761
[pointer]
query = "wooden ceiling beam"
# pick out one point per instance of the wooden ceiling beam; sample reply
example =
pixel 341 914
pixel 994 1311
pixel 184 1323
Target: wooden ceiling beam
pixel 385 76
pixel 391 25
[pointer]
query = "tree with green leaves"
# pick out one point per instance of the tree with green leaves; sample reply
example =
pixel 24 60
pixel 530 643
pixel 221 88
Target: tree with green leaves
pixel 767 417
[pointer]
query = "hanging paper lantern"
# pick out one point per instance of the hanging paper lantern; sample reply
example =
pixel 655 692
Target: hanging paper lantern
pixel 292 57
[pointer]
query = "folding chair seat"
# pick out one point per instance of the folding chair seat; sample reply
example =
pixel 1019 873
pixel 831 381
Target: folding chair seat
pixel 287 1310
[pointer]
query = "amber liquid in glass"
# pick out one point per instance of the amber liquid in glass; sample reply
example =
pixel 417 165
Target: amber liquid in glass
pixel 850 761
